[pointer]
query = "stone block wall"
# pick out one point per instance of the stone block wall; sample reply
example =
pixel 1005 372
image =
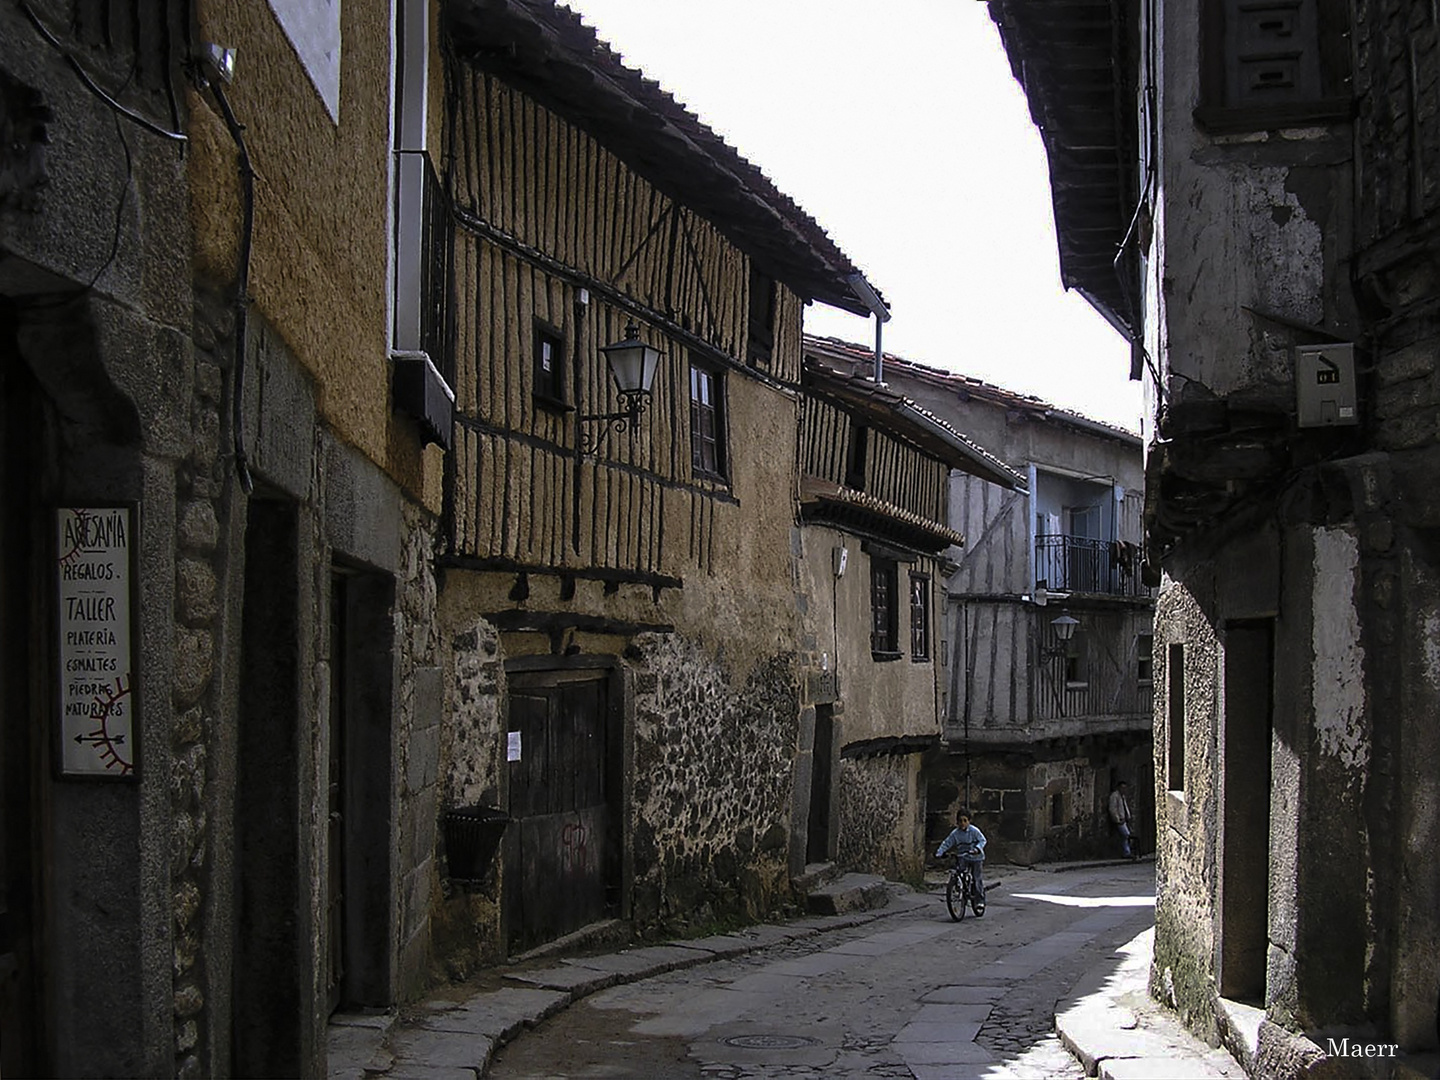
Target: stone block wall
pixel 202 619
pixel 1012 797
pixel 881 817
pixel 1063 810
pixel 419 731
pixel 470 749
pixel 1397 70
pixel 467 917
pixel 1184 971
pixel 1396 76
pixel 714 754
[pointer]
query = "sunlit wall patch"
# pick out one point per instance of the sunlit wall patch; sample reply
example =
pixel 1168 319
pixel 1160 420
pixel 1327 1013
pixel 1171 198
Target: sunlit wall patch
pixel 313 27
pixel 1338 686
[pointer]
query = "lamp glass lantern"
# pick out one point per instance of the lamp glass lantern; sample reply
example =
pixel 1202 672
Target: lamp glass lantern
pixel 632 366
pixel 1063 629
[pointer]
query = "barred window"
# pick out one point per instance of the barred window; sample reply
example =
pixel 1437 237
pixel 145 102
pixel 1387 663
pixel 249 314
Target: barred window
pixel 884 614
pixel 919 617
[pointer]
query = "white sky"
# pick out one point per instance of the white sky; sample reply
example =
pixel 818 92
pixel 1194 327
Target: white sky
pixel 897 125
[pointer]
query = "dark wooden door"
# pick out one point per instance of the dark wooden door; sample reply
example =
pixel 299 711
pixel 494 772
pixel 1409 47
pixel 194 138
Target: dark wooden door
pixel 817 838
pixel 22 663
pixel 560 847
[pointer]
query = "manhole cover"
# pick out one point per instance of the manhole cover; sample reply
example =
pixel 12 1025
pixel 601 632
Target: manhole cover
pixel 770 1042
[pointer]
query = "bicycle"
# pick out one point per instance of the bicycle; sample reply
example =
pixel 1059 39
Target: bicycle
pixel 960 891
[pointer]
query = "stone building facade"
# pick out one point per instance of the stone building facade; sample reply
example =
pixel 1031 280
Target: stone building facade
pixel 196 287
pixel 1037 732
pixel 1273 261
pixel 629 741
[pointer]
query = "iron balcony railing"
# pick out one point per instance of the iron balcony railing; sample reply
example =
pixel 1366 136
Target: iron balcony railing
pixel 1078 564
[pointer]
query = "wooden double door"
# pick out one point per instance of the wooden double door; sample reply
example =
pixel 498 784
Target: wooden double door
pixel 562 849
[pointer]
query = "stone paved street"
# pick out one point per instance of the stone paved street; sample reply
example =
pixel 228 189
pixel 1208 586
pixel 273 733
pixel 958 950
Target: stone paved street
pixel 911 995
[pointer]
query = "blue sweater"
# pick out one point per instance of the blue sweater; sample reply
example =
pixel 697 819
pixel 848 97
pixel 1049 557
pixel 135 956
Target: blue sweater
pixel 970 841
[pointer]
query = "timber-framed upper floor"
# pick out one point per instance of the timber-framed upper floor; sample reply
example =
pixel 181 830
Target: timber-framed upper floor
pixel 586 201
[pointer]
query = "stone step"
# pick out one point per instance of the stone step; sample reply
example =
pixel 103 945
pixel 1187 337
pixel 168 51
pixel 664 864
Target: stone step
pixel 849 892
pixel 815 875
pixel 1239 1025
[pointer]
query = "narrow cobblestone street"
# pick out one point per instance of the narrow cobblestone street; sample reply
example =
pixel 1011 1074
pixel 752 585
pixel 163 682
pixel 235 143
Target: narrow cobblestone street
pixel 911 995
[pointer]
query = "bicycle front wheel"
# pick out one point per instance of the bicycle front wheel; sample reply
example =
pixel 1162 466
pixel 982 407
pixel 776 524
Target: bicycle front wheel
pixel 955 898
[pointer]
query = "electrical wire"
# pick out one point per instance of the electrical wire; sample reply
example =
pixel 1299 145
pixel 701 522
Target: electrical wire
pixel 119 206
pixel 91 85
pixel 242 284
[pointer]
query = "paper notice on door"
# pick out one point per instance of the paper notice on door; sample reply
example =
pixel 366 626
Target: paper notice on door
pixel 512 747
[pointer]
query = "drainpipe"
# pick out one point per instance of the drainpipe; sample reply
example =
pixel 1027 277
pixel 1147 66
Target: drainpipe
pixel 867 295
pixel 879 352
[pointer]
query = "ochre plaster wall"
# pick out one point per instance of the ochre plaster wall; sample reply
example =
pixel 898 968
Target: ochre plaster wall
pixel 320 257
pixel 881 697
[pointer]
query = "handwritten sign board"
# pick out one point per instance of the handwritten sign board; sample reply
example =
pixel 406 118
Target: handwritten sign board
pixel 94 578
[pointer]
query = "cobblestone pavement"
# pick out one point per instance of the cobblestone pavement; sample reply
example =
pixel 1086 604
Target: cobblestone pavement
pixel 910 996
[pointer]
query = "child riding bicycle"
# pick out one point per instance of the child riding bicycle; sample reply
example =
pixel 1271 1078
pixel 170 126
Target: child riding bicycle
pixel 968 843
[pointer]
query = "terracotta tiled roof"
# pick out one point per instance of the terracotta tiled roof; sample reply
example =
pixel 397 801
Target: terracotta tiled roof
pixel 965 386
pixel 907 417
pixel 920 530
pixel 546 51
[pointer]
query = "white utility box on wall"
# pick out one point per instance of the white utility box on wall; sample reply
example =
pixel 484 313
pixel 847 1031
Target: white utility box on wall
pixel 1325 385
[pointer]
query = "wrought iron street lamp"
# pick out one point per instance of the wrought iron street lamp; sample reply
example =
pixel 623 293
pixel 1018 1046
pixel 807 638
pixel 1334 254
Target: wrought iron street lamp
pixel 1063 629
pixel 632 365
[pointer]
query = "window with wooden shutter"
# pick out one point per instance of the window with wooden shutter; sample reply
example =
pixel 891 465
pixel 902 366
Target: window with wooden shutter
pixel 707 416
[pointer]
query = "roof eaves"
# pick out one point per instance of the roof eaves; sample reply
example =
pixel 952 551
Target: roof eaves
pixel 1070 61
pixel 547 51
pixel 911 419
pixel 1035 407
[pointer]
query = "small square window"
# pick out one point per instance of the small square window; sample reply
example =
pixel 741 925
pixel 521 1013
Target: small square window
pixel 549 364
pixel 707 422
pixel 919 617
